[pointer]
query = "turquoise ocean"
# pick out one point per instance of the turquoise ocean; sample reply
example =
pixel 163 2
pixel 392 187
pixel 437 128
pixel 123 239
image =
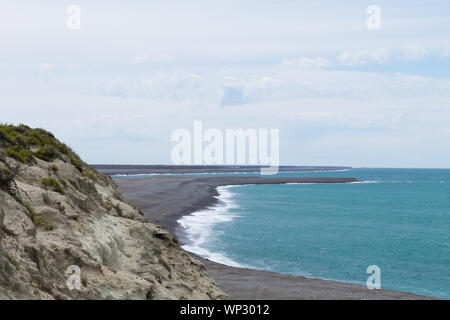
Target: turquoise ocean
pixel 396 219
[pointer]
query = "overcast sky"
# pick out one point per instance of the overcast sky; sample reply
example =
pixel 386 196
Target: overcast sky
pixel 340 93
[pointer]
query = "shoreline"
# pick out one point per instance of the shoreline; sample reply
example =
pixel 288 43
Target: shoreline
pixel 166 199
pixel 205 169
pixel 192 240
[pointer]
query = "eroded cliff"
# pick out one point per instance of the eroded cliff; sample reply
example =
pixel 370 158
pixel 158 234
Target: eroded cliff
pixel 61 220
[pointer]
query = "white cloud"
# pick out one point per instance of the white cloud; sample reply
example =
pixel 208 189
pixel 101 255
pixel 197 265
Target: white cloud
pixel 166 85
pixel 407 53
pixel 414 53
pixel 272 84
pixel 308 63
pixel 364 56
pixel 322 103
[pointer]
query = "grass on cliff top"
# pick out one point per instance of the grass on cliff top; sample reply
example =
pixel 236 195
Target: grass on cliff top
pixel 24 144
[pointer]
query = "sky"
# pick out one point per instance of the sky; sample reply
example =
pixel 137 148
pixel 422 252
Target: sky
pixel 339 92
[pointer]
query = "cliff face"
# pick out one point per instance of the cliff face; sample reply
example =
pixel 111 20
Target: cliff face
pixel 61 221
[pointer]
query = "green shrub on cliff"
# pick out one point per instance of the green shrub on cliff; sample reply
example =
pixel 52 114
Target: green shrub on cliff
pixel 76 161
pixel 90 173
pixel 37 219
pixel 53 184
pixel 47 153
pixel 17 136
pixel 19 141
pixel 24 144
pixel 20 154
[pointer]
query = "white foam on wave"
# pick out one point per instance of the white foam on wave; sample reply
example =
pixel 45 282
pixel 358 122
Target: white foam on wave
pixel 360 182
pixel 312 171
pixel 199 227
pixel 291 183
pixel 368 181
pixel 355 182
pixel 130 175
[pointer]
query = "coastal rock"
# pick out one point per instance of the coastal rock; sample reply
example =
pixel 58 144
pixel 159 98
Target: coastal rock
pixel 81 228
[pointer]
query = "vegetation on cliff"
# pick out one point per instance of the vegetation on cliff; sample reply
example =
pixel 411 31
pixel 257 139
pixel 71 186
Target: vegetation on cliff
pixel 57 214
pixel 25 144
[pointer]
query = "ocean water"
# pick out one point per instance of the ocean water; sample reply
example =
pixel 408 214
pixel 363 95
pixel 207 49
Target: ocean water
pixel 397 219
